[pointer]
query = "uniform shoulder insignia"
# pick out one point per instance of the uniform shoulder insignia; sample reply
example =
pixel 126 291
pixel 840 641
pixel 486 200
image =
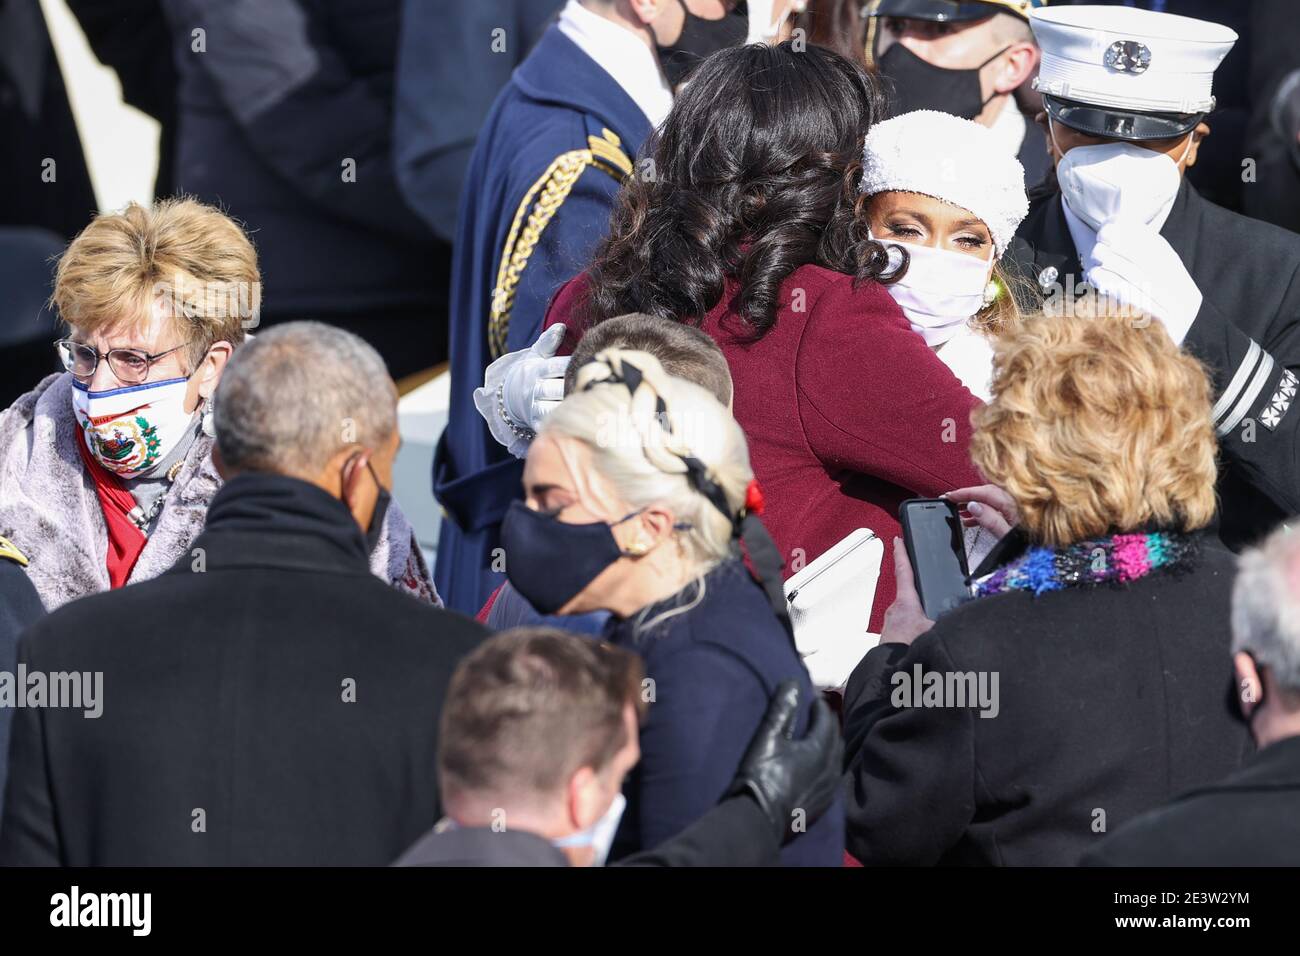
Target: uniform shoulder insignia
pixel 544 197
pixel 607 152
pixel 11 553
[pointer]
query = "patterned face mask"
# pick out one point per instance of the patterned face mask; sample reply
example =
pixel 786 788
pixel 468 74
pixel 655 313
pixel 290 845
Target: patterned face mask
pixel 130 430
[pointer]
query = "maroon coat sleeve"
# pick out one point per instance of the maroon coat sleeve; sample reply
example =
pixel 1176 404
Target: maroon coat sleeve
pixel 874 398
pixel 564 310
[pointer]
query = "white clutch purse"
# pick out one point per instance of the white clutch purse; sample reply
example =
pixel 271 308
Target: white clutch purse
pixel 830 607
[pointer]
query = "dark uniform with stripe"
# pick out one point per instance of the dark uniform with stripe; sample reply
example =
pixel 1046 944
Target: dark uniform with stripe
pixel 1247 332
pixel 20 606
pixel 537 198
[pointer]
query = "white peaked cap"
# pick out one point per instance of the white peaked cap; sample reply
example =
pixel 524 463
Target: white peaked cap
pixel 1127 58
pixel 953 159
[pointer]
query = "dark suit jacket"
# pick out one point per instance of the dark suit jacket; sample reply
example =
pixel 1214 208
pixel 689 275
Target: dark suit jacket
pixel 1249 818
pixel 129 36
pixel 1109 701
pixel 1274 37
pixel 1247 333
pixel 36 125
pixel 287 101
pixel 268 701
pixel 448 74
pixel 734 833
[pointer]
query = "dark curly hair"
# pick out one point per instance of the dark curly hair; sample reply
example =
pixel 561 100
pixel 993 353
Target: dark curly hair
pixel 754 174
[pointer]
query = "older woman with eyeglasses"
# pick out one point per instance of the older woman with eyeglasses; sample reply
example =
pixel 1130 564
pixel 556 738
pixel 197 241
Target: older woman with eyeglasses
pixel 106 470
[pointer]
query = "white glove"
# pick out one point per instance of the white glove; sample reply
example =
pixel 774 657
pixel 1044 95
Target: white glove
pixel 520 388
pixel 1135 265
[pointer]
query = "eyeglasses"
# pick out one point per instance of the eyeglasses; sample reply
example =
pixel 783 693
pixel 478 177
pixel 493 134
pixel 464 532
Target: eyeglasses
pixel 131 366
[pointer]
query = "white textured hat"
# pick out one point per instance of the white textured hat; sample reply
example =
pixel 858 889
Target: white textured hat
pixel 1126 58
pixel 952 159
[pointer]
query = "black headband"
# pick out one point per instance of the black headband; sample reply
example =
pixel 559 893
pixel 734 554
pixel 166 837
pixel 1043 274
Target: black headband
pixel 763 555
pixel 696 472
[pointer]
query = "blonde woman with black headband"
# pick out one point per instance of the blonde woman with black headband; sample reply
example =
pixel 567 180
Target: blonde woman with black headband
pixel 638 491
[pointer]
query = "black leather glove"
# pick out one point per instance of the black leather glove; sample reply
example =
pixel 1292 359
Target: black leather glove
pixel 785 775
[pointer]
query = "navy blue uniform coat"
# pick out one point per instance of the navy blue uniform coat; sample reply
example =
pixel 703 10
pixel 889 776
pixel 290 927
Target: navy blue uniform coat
pixel 548 163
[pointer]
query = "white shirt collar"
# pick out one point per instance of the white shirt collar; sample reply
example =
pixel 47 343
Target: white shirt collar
pixel 1085 238
pixel 1009 126
pixel 622 55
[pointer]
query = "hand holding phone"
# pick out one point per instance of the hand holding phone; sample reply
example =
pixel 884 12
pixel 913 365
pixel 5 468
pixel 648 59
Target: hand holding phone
pixel 936 548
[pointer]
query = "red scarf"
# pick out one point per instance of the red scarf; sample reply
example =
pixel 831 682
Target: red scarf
pixel 125 540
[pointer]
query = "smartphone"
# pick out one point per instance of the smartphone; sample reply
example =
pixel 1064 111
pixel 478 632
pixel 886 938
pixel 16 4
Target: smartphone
pixel 936 547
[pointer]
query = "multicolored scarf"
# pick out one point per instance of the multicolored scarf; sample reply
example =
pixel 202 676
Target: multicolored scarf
pixel 1119 559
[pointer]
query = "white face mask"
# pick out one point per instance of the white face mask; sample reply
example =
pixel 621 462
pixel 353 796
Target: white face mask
pixel 941 291
pixel 130 430
pixel 600 835
pixel 1114 181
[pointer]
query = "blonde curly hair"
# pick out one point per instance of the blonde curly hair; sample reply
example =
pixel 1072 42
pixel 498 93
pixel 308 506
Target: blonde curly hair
pixel 1097 425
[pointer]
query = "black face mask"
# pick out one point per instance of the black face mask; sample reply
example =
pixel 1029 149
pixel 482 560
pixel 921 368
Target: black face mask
pixel 377 519
pixel 550 562
pixel 699 38
pixel 918 85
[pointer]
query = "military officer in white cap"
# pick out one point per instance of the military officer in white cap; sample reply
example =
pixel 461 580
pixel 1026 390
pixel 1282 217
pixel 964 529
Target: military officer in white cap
pixel 1126 93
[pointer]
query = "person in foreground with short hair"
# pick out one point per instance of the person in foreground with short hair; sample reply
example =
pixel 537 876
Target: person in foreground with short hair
pixel 639 501
pixel 1086 682
pixel 268 700
pixel 539 731
pixel 105 468
pixel 1248 818
pixel 683 350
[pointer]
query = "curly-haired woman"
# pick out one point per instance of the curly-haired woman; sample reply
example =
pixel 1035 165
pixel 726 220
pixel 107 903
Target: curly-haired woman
pixel 1090 680
pixel 742 220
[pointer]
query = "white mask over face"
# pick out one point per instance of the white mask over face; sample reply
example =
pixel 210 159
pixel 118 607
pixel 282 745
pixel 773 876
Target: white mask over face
pixel 1119 181
pixel 131 430
pixel 941 291
pixel 600 835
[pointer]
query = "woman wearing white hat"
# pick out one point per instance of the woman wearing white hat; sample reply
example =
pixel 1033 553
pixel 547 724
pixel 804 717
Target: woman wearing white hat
pixel 947 190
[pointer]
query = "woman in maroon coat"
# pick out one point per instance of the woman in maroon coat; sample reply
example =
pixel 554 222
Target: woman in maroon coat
pixel 742 220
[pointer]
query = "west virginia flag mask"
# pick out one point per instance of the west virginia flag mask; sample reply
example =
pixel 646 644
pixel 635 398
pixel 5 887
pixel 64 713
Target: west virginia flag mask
pixel 130 430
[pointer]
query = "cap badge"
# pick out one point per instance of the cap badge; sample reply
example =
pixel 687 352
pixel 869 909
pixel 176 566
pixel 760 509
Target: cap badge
pixel 1128 56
